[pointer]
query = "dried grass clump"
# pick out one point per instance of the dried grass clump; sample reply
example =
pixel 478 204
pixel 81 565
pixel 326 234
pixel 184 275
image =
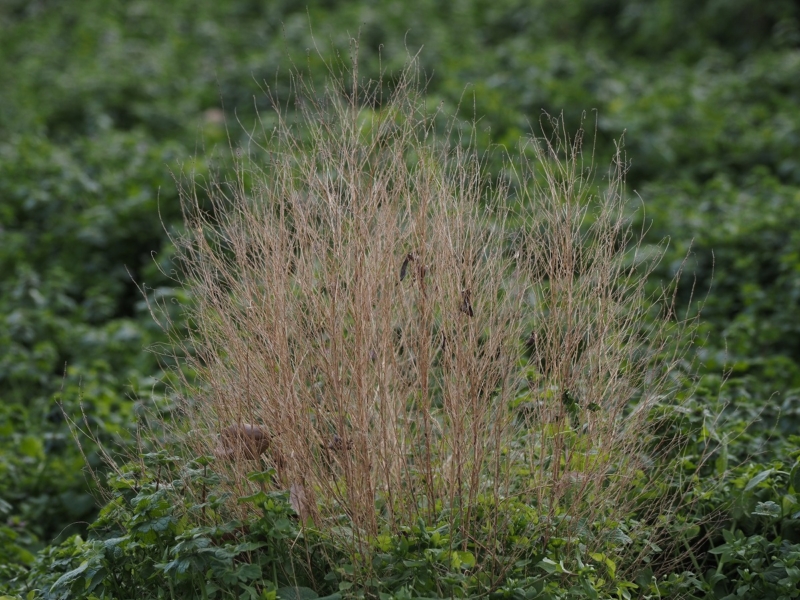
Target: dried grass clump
pixel 411 340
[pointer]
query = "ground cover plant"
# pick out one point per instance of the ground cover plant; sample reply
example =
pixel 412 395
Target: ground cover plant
pixel 107 97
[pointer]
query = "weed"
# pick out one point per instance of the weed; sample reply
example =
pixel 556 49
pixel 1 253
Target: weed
pixel 417 343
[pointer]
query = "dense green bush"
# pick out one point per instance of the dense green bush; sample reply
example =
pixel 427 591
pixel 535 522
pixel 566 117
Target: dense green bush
pixel 75 221
pixel 144 544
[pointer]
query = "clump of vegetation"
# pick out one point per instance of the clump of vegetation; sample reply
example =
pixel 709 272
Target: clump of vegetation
pixel 405 343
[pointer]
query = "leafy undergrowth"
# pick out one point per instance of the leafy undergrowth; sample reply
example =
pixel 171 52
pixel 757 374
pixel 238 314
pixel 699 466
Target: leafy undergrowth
pixel 738 534
pixel 147 544
pixel 144 544
pixel 744 512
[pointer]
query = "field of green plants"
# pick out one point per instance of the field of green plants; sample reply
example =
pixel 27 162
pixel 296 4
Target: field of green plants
pixel 109 108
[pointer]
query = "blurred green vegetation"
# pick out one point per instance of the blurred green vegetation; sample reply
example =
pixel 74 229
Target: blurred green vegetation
pixel 103 101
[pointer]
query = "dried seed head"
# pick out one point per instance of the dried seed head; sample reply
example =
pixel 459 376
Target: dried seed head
pixel 466 305
pixel 337 444
pixel 404 268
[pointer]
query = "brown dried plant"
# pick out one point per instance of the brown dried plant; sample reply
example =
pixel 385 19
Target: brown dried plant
pixel 603 351
pixel 408 338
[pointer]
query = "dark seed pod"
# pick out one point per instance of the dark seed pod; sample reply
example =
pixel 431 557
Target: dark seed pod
pixel 404 266
pixel 337 444
pixel 466 305
pixel 569 400
pixel 532 341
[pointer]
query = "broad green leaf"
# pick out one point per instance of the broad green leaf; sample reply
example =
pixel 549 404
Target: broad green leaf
pixel 794 478
pixel 248 572
pixel 757 479
pixel 549 565
pixel 462 560
pixel 70 575
pixel 257 499
pixel 262 476
pixel 297 593
pixel 767 509
pixel 248 546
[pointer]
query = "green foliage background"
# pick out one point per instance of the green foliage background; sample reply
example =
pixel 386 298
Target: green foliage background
pixel 102 100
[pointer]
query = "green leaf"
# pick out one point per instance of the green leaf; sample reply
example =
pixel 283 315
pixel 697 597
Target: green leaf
pixel 256 499
pixel 794 477
pixel 262 476
pixel 620 537
pixel 462 559
pixel 95 578
pixel 552 566
pixel 248 547
pixel 114 542
pixel 249 593
pixel 612 568
pixel 721 463
pixel 588 588
pixel 768 509
pixel 757 479
pixel 31 446
pixel 70 575
pixel 297 593
pixel 183 565
pixel 248 572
